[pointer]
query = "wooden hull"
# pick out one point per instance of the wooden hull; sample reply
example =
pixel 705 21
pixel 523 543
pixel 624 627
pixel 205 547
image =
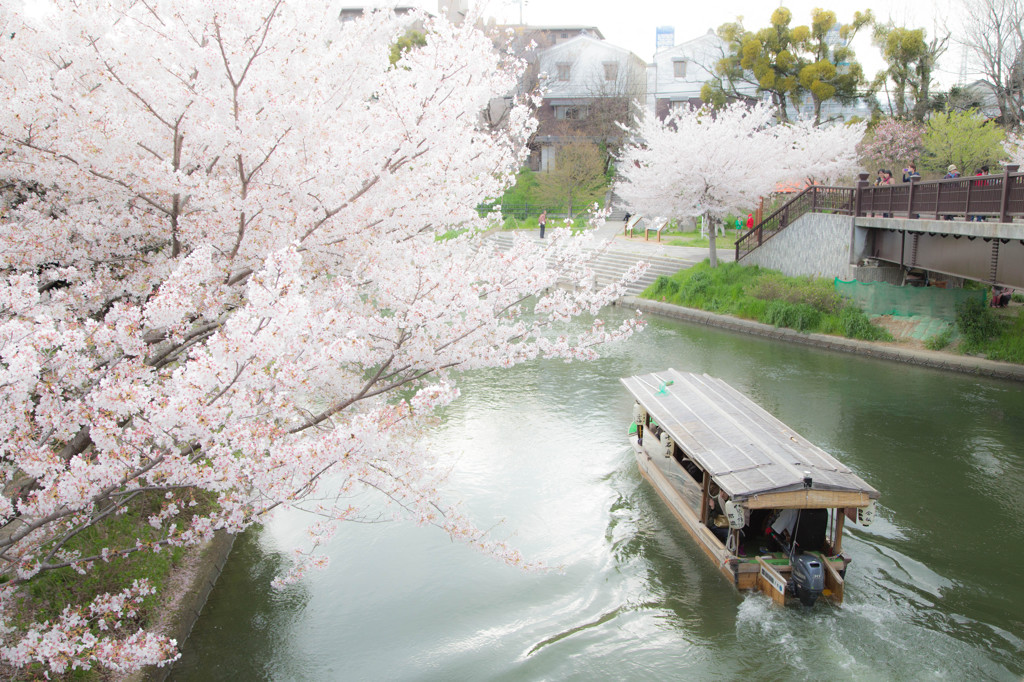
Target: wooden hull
pixel 767 574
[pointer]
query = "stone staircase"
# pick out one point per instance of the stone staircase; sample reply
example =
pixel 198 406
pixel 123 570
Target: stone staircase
pixel 618 212
pixel 609 266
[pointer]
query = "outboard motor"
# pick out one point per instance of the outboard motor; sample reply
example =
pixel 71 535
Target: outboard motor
pixel 808 578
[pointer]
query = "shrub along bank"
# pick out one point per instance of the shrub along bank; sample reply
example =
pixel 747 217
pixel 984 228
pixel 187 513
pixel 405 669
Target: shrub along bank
pixel 990 335
pixel 754 293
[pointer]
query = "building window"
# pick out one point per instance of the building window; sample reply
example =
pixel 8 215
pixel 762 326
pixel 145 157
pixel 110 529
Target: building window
pixel 563 72
pixel 565 35
pixel 611 71
pixel 679 68
pixel 571 113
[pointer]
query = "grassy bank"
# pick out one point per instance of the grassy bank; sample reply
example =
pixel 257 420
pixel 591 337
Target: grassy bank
pixel 991 334
pixel 813 306
pixel 754 293
pixel 45 597
pixel 531 195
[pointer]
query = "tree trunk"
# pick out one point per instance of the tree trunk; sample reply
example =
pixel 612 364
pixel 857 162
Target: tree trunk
pixel 782 114
pixel 706 220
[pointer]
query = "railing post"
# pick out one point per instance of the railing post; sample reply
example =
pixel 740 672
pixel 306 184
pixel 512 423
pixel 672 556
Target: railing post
pixel 862 183
pixel 1004 200
pixel 910 197
pixel 967 202
pixel 814 199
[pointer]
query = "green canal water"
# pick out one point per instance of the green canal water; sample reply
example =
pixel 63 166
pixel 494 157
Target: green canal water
pixel 936 589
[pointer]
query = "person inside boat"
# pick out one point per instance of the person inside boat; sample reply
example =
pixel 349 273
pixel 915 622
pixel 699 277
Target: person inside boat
pixel 716 521
pixel 691 468
pixel 780 527
pixel 808 527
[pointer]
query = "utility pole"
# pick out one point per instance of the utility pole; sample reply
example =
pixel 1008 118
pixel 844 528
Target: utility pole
pixel 521 3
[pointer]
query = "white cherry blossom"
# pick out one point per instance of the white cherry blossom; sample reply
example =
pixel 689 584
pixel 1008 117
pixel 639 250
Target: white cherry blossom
pixel 243 264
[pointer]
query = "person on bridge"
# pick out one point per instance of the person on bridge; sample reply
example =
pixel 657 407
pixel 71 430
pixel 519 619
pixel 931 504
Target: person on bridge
pixel 887 180
pixel 951 173
pixel 979 183
pixel 910 173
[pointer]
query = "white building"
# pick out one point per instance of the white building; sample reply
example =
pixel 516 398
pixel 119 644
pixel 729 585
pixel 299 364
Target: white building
pixel 677 73
pixel 588 84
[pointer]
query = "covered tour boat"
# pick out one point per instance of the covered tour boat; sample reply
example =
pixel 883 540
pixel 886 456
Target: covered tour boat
pixel 764 503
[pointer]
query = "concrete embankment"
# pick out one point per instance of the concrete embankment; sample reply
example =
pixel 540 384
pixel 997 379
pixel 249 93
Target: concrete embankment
pixel 925 358
pixel 190 587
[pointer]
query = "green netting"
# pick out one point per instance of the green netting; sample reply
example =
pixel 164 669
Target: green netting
pixel 879 298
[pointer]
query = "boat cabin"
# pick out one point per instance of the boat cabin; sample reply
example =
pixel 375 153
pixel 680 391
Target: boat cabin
pixel 763 502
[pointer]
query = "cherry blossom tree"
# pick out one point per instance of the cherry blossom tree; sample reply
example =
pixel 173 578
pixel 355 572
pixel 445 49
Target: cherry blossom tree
pixel 698 162
pixel 893 143
pixel 1014 146
pixel 242 267
pixel 826 154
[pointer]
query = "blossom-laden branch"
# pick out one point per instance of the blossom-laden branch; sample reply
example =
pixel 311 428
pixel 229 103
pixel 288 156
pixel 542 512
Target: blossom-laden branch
pixel 72 642
pixel 234 287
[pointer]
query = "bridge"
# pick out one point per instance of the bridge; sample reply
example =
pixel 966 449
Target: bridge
pixel 970 227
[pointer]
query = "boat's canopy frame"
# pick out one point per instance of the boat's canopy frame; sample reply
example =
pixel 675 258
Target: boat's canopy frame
pixel 758 461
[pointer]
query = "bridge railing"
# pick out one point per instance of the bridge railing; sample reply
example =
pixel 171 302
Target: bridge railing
pixel 973 196
pixel 814 199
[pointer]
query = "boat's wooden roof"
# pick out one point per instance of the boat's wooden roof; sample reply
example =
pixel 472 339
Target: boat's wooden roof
pixel 749 453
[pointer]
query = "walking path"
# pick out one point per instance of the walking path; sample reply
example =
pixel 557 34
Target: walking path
pixel 612 231
pixel 623 253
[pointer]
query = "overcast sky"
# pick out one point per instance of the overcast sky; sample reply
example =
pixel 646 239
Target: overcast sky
pixel 632 23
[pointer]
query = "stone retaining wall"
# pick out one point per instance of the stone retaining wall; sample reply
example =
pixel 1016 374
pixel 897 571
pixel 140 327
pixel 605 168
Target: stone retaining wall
pixel 816 244
pixel 925 358
pixel 188 600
